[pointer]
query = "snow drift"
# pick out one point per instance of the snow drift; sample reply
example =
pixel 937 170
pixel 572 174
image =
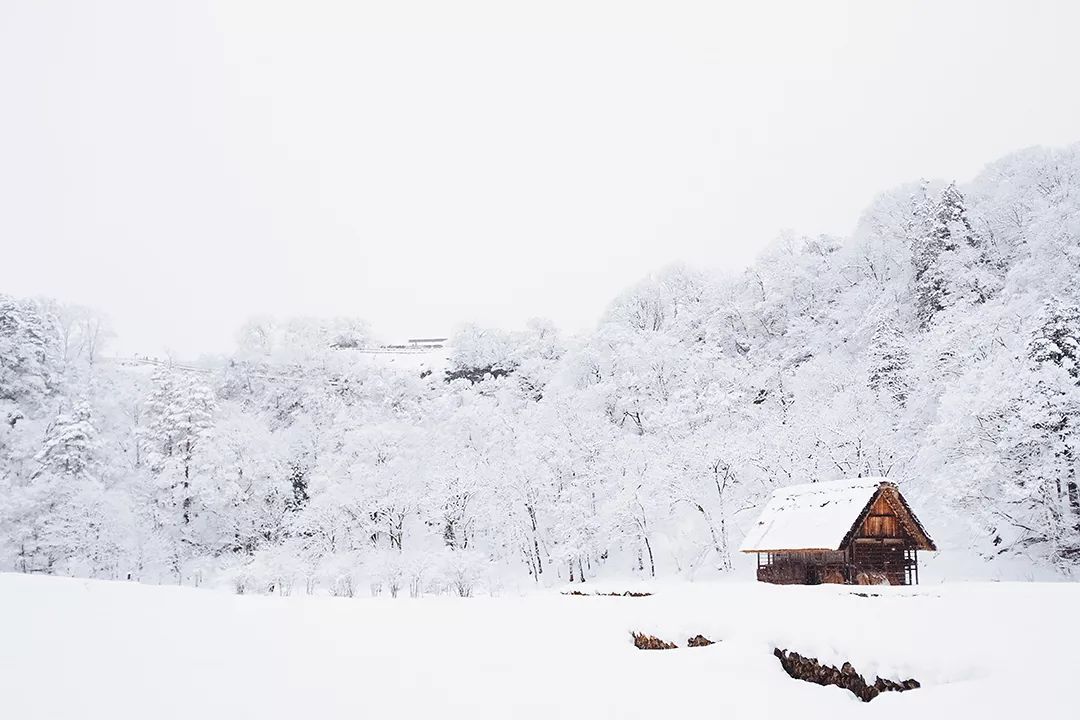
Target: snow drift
pixel 123 651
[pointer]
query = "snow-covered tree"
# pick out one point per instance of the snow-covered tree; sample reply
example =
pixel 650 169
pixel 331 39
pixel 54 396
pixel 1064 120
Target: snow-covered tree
pixel 29 355
pixel 70 446
pixel 888 359
pixel 1057 338
pixel 938 345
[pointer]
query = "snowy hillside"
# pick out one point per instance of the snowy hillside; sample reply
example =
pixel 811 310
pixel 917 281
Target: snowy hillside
pixel 936 347
pixel 123 651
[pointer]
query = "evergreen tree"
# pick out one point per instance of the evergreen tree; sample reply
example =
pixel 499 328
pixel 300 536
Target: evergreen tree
pixel 942 230
pixel 888 360
pixel 179 414
pixel 29 355
pixel 1057 339
pixel 1041 444
pixel 62 494
pixel 925 250
pixel 70 446
pixel 1056 343
pixel 950 222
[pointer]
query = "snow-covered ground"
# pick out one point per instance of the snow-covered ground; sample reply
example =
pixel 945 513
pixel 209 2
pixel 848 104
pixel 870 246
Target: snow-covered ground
pixel 94 649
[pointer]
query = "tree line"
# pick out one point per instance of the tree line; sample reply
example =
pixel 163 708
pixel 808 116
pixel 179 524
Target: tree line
pixel 938 345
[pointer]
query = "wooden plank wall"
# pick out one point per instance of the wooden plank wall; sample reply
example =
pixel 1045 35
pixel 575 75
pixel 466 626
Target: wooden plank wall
pixel 886 556
pixel 882 522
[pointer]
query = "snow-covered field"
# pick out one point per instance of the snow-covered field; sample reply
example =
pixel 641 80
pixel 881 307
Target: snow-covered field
pixel 118 651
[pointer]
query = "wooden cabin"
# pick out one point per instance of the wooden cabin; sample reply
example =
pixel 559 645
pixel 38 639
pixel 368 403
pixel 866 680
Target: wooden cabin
pixel 858 531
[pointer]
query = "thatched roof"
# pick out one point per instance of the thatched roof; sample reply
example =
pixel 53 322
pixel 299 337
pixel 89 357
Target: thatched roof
pixel 826 515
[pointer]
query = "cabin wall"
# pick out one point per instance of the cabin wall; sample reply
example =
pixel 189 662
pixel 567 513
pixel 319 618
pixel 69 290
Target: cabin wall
pixel 882 522
pixel 884 556
pixel 803 567
pixel 869 561
pixel 878 546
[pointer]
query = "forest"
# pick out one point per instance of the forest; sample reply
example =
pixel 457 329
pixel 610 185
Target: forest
pixel 938 345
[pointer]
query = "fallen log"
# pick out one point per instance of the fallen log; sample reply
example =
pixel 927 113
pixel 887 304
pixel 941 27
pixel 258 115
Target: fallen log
pixel 651 642
pixel 810 670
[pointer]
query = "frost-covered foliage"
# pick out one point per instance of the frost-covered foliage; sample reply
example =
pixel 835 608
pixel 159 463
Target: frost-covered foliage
pixel 937 346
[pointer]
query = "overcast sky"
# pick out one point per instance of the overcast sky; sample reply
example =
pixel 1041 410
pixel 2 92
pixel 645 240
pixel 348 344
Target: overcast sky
pixel 183 165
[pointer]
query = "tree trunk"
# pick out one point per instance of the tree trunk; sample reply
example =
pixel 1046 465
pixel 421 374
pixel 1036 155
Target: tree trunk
pixel 186 486
pixel 1074 501
pixel 725 557
pixel 536 543
pixel 720 550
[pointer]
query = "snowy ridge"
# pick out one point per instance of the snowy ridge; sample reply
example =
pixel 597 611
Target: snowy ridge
pixel 812 516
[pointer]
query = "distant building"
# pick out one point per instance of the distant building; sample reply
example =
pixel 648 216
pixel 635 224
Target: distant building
pixel 859 531
pixel 432 343
pixel 417 344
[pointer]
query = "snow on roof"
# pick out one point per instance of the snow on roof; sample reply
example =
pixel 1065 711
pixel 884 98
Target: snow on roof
pixel 815 516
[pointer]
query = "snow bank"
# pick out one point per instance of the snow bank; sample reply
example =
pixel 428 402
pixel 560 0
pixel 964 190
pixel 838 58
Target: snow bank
pixel 94 649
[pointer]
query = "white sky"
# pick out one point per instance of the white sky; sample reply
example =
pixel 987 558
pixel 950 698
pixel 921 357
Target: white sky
pixel 183 165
